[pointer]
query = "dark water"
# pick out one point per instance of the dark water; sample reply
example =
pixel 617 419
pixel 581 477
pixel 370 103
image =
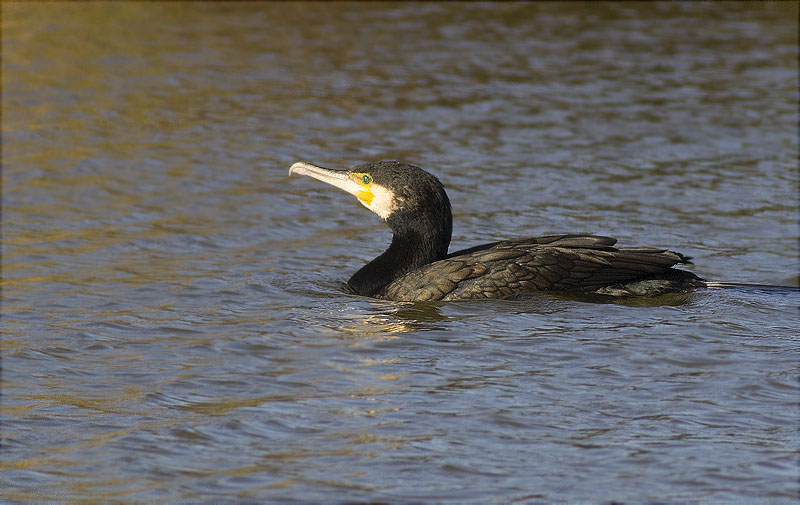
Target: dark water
pixel 173 327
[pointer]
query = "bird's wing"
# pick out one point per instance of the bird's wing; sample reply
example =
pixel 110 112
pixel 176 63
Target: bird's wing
pixel 591 241
pixel 503 269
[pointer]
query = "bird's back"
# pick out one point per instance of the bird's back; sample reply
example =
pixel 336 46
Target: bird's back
pixel 573 263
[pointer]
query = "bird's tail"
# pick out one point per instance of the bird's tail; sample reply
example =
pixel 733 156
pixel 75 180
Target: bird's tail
pixel 747 285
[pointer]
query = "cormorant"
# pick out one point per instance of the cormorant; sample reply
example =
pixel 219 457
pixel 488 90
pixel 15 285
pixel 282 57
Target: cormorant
pixel 417 266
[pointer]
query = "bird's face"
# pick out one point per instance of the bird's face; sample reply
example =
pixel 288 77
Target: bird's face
pixel 411 201
pixel 359 182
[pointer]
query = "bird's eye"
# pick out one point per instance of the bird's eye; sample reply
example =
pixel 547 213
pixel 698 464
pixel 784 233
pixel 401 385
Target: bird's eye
pixel 367 179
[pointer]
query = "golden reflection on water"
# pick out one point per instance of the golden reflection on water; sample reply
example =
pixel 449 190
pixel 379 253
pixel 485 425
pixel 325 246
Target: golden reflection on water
pixel 375 328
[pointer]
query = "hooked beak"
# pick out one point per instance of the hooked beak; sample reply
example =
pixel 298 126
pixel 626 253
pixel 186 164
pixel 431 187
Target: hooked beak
pixel 338 178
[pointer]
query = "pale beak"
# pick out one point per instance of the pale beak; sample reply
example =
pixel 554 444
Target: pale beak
pixel 339 178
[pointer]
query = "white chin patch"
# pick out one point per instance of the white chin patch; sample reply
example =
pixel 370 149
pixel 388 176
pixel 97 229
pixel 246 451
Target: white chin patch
pixel 384 202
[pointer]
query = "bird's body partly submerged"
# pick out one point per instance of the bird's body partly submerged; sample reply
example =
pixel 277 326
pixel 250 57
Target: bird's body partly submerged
pixel 417 266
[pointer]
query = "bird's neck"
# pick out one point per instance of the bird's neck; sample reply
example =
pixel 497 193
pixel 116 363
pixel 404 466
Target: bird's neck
pixel 412 247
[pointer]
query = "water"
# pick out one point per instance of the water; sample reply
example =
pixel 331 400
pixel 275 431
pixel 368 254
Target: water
pixel 173 325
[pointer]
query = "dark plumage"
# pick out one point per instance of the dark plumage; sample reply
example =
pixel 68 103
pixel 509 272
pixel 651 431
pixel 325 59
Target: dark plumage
pixel 416 266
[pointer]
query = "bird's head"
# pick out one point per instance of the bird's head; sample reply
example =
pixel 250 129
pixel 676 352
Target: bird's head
pixel 403 195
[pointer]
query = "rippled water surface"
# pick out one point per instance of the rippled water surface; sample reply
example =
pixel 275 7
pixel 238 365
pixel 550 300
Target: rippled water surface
pixel 173 323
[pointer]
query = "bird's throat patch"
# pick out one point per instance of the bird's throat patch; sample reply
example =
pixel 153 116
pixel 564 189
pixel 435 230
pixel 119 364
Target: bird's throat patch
pixel 366 197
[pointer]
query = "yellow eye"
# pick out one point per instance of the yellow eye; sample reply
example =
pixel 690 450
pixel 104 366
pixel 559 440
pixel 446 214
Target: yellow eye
pixel 366 179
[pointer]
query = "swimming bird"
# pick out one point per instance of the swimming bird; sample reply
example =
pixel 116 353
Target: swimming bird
pixel 417 265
